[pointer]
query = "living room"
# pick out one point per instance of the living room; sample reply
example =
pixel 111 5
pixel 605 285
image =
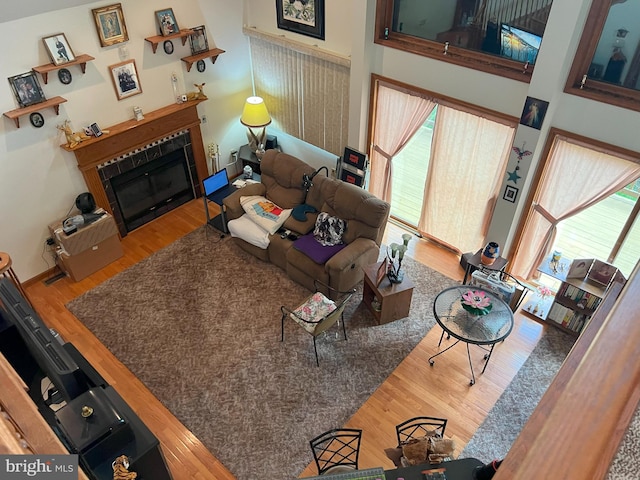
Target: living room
pixel 41 180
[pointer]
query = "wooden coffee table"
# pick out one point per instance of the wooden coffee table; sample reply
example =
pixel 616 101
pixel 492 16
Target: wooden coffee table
pixel 394 298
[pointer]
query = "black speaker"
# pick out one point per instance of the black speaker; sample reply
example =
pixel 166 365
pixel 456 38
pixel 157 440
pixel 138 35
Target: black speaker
pixel 85 203
pixel 272 142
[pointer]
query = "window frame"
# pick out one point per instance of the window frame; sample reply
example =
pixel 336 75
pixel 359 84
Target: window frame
pixel 595 90
pixel 384 35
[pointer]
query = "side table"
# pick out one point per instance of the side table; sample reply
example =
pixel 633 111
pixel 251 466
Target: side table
pixel 474 263
pixel 394 298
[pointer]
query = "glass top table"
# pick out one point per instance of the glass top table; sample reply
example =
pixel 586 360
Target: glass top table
pixel 482 330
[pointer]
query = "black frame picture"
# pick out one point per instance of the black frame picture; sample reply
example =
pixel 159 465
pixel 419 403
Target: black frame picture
pixel 309 20
pixel 533 113
pixel 198 40
pixel 351 177
pixel 27 89
pixel 64 75
pixel 354 158
pixel 36 119
pixel 125 79
pixel 58 49
pixel 510 194
pixel 167 46
pixel 110 24
pixel 167 22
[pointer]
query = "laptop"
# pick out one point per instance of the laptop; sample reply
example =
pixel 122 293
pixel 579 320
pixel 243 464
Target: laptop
pixel 217 187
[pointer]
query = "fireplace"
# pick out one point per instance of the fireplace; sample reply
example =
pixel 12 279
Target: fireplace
pixel 171 131
pixel 143 184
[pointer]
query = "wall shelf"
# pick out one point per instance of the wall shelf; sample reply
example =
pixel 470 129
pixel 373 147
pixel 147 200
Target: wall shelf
pixel 213 54
pixel 17 113
pixel 81 60
pixel 156 39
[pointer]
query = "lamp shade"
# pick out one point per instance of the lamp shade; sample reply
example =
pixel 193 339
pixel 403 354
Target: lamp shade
pixel 255 113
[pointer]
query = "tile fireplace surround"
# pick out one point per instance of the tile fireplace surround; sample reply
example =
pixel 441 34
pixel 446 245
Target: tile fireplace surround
pixel 92 155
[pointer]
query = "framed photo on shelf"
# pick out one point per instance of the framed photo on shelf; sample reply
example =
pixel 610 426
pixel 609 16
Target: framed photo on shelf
pixel 382 271
pixel 198 40
pixel 167 22
pixel 304 18
pixel 27 89
pixel 125 79
pixel 579 268
pixel 110 24
pixel 58 49
pixel 601 272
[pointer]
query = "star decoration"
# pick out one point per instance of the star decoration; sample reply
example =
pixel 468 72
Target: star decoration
pixel 513 176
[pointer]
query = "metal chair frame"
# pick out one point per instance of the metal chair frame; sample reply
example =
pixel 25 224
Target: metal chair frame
pixel 323 323
pixel 337 447
pixel 418 427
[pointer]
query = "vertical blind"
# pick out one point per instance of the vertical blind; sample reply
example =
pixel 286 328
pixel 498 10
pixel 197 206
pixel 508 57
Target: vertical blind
pixel 306 89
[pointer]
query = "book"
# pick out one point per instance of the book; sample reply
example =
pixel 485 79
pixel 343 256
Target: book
pixel 579 267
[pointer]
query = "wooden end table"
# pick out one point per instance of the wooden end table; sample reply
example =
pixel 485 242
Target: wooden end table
pixel 394 298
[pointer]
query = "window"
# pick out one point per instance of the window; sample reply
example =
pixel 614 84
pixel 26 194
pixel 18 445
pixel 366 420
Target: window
pixel 502 38
pixel 607 64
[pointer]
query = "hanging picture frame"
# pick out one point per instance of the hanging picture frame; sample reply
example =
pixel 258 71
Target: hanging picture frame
pixel 304 18
pixel 533 112
pixel 27 89
pixel 198 40
pixel 110 24
pixel 125 79
pixel 58 49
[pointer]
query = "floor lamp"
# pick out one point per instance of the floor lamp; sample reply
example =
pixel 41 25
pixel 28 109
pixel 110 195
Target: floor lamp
pixel 255 115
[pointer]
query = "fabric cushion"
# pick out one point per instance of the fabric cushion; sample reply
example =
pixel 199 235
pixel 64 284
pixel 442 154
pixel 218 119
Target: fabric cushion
pixel 264 212
pixel 300 211
pixel 314 308
pixel 329 230
pixel 313 249
pixel 244 228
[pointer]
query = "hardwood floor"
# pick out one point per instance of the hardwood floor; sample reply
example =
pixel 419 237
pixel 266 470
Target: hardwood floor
pixel 413 389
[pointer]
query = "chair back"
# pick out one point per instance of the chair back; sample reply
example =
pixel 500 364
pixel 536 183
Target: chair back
pixel 418 427
pixel 338 447
pixel 328 321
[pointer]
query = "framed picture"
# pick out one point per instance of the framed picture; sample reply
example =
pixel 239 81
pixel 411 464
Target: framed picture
pixel 167 22
pixel 306 18
pixel 351 177
pixel 354 158
pixel 27 89
pixel 533 113
pixel 579 268
pixel 198 40
pixel 125 79
pixel 510 194
pixel 110 24
pixel 382 271
pixel 58 49
pixel 601 272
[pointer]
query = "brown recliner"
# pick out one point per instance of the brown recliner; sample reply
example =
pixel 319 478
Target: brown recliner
pixel 365 215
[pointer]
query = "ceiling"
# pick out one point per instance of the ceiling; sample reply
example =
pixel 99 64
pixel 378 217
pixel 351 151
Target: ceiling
pixel 12 10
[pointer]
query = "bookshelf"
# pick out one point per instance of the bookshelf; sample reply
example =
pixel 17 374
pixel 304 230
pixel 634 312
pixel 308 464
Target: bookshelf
pixel 576 299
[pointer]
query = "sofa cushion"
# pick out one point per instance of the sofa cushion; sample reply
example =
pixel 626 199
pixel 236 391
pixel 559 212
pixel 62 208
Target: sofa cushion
pixel 317 252
pixel 314 309
pixel 246 229
pixel 264 212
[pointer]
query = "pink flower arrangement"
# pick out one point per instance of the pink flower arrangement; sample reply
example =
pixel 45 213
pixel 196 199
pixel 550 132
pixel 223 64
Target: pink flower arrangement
pixel 476 299
pixel 544 291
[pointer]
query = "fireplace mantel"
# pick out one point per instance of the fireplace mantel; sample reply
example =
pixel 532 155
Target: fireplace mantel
pixel 132 134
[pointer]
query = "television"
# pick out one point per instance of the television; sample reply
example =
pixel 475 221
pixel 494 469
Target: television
pixel 518 44
pixel 44 345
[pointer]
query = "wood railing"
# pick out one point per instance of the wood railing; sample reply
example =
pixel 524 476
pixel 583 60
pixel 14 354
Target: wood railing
pixel 576 429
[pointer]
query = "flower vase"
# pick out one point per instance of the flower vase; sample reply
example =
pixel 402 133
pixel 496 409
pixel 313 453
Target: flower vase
pixel 489 254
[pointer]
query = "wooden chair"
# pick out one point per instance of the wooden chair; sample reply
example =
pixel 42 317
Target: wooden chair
pixel 337 450
pixel 318 312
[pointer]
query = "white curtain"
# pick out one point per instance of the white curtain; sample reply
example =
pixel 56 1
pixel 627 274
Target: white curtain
pixel 575 178
pixel 306 89
pixel 469 156
pixel 398 116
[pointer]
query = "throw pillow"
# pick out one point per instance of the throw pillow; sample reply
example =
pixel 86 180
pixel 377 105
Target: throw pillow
pixel 329 230
pixel 313 249
pixel 249 231
pixel 264 212
pixel 315 308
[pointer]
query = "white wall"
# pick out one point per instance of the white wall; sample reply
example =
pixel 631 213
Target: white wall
pixel 39 181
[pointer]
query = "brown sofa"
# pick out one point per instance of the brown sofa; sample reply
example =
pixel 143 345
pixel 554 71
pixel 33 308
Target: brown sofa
pixel 365 215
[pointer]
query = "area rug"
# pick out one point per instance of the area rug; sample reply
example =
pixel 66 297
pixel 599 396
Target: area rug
pixel 199 323
pixel 505 420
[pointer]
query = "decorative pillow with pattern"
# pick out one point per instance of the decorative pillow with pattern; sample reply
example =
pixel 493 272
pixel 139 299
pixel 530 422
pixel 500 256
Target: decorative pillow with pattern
pixel 264 212
pixel 316 307
pixel 329 230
